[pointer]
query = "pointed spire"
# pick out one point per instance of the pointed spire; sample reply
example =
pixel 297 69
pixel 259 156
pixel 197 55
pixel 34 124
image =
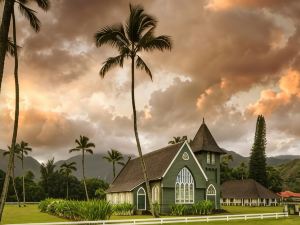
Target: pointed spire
pixel 204 141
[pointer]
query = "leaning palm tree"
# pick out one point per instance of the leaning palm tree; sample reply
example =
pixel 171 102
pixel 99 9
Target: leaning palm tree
pixel 114 156
pixel 84 146
pixel 24 149
pixel 67 169
pixel 130 39
pixel 16 152
pixel 30 15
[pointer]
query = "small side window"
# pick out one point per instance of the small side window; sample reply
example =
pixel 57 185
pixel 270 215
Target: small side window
pixel 213 158
pixel 208 158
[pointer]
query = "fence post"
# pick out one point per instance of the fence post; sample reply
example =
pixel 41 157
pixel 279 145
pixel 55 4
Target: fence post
pixel 161 221
pixel 227 218
pixel 186 219
pixel 245 217
pixel 207 219
pixel 262 216
pixel 276 215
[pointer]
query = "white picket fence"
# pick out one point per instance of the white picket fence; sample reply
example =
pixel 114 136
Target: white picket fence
pixel 170 220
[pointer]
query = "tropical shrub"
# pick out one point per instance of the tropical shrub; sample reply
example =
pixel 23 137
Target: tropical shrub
pixel 201 208
pixel 156 209
pixel 124 209
pixel 178 210
pixel 77 210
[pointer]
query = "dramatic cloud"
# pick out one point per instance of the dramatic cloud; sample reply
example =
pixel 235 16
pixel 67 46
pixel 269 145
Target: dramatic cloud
pixel 232 60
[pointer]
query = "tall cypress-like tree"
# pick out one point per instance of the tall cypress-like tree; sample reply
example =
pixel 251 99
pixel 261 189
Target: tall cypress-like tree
pixel 257 163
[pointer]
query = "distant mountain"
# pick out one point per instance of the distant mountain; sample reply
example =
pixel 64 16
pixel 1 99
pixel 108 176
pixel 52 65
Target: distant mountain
pixel 29 164
pixel 95 166
pixel 272 161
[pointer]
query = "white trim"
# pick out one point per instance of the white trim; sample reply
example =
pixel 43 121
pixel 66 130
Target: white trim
pixel 191 183
pixel 137 198
pixel 212 194
pixel 192 153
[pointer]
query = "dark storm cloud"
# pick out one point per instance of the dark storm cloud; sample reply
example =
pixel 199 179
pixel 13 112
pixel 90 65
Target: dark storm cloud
pixel 222 47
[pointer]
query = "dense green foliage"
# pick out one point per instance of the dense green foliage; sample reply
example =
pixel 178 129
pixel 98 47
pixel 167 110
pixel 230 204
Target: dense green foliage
pixel 77 210
pixel 200 208
pixel 56 187
pixel 125 209
pixel 257 163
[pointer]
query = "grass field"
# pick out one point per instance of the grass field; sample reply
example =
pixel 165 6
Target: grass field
pixel 31 214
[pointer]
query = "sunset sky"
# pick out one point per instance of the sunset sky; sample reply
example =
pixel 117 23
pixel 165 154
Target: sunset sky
pixel 232 60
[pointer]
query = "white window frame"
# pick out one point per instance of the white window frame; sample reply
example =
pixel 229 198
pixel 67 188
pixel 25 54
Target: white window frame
pixel 208 159
pixel 155 193
pixel 137 199
pixel 184 185
pixel 212 194
pixel 213 158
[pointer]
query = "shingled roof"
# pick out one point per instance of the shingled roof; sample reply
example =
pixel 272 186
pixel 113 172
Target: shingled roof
pixel 248 188
pixel 204 141
pixel 156 162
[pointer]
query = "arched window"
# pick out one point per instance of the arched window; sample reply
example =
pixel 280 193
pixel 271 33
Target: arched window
pixel 141 199
pixel 155 193
pixel 211 190
pixel 184 187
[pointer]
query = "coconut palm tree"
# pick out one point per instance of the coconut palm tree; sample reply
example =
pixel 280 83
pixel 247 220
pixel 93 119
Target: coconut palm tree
pixel 67 169
pixel 47 171
pixel 4 30
pixel 130 39
pixel 16 152
pixel 177 140
pixel 83 146
pixel 30 15
pixel 24 149
pixel 114 156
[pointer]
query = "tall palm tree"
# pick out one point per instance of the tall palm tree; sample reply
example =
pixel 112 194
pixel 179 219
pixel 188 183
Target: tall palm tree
pixel 29 14
pixel 67 169
pixel 114 156
pixel 24 149
pixel 177 140
pixel 130 39
pixel 83 146
pixel 16 152
pixel 4 29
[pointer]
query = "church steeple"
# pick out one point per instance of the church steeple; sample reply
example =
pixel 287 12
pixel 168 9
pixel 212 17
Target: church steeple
pixel 204 141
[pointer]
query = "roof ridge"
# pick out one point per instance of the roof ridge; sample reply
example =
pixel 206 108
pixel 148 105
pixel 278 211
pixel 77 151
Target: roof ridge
pixel 160 149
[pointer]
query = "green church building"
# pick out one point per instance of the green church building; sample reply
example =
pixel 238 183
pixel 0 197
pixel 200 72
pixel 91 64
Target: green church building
pixel 181 173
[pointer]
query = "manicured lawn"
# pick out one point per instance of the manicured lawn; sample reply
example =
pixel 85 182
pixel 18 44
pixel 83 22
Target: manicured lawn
pixel 31 214
pixel 28 214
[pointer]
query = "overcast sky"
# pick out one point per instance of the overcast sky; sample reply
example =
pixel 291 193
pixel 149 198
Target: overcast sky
pixel 232 60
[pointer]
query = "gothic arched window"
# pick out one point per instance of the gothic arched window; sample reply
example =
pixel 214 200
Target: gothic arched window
pixel 184 187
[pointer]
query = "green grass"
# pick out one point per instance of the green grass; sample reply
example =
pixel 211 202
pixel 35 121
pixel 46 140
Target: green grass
pixel 31 214
pixel 28 214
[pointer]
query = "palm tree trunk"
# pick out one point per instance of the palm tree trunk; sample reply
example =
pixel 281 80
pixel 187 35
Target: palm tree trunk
pixel 16 122
pixel 83 175
pixel 23 179
pixel 143 164
pixel 114 169
pixel 6 17
pixel 14 184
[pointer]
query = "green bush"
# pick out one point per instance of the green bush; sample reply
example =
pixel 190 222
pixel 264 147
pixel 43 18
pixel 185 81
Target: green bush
pixel 178 210
pixel 77 210
pixel 125 209
pixel 202 208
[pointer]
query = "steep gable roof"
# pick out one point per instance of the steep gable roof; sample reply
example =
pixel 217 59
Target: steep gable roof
pixel 248 188
pixel 156 162
pixel 204 141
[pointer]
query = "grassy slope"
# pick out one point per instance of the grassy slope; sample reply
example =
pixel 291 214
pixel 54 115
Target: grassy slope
pixel 31 214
